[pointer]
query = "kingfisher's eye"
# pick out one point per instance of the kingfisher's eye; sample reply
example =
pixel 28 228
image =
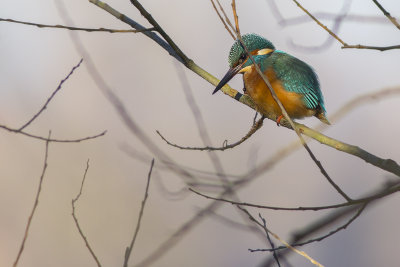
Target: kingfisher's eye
pixel 242 58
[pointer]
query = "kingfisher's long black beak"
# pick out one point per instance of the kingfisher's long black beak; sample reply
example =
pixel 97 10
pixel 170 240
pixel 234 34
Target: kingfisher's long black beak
pixel 228 76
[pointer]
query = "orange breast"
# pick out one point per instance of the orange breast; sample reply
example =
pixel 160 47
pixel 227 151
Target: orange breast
pixel 259 92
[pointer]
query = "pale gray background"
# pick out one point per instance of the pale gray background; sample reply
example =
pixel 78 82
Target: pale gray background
pixel 34 60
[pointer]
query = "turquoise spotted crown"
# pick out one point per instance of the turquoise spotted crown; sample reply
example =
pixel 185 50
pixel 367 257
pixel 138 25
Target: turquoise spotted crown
pixel 252 41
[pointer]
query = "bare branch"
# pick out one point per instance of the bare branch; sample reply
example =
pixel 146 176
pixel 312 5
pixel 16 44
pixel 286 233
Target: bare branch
pixel 129 249
pixel 75 28
pixel 51 97
pixel 387 14
pixel 35 205
pixel 301 253
pixel 264 223
pixel 159 29
pixel 76 219
pixel 220 17
pixel 387 190
pixel 225 146
pixel 344 44
pixel 17 131
pixel 342 227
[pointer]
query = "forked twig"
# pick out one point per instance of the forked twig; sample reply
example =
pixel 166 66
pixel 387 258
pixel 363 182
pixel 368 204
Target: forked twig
pixel 301 253
pixel 320 238
pixel 344 44
pixel 76 218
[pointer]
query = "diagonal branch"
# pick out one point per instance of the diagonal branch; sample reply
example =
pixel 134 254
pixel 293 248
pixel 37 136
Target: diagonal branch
pixel 129 249
pixel 74 28
pixel 387 14
pixel 47 139
pixel 221 19
pixel 159 29
pixel 301 253
pixel 344 44
pixel 51 96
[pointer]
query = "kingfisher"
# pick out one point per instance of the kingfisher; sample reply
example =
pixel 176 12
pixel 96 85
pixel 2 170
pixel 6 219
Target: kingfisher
pixel 294 82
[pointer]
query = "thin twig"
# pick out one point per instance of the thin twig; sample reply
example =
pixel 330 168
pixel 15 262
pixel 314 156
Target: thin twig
pixel 378 194
pixel 387 14
pixel 75 28
pixel 35 205
pixel 128 250
pixel 152 35
pixel 76 218
pixel 222 20
pixel 320 24
pixel 225 146
pixel 380 48
pixel 338 22
pixel 301 253
pixel 320 238
pixel 51 96
pixel 344 44
pixel 226 17
pixel 159 29
pixel 269 240
pixel 17 131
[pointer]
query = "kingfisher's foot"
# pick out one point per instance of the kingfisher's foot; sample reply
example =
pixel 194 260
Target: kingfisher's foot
pixel 278 120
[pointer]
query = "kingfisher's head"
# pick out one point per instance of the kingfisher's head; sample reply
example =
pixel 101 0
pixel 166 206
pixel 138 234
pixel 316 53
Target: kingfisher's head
pixel 238 58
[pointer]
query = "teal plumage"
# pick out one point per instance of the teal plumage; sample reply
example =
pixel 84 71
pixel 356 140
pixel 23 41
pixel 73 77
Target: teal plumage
pixel 296 76
pixel 294 81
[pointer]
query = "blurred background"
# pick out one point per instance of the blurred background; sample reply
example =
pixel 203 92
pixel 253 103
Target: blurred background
pixel 34 60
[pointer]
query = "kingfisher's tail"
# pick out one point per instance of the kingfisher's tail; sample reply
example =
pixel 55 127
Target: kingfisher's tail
pixel 321 116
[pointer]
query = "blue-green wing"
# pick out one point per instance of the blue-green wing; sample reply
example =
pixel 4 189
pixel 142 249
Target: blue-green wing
pixel 297 76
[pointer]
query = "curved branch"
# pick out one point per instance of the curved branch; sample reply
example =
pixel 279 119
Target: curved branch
pixel 17 131
pixel 388 190
pixel 253 129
